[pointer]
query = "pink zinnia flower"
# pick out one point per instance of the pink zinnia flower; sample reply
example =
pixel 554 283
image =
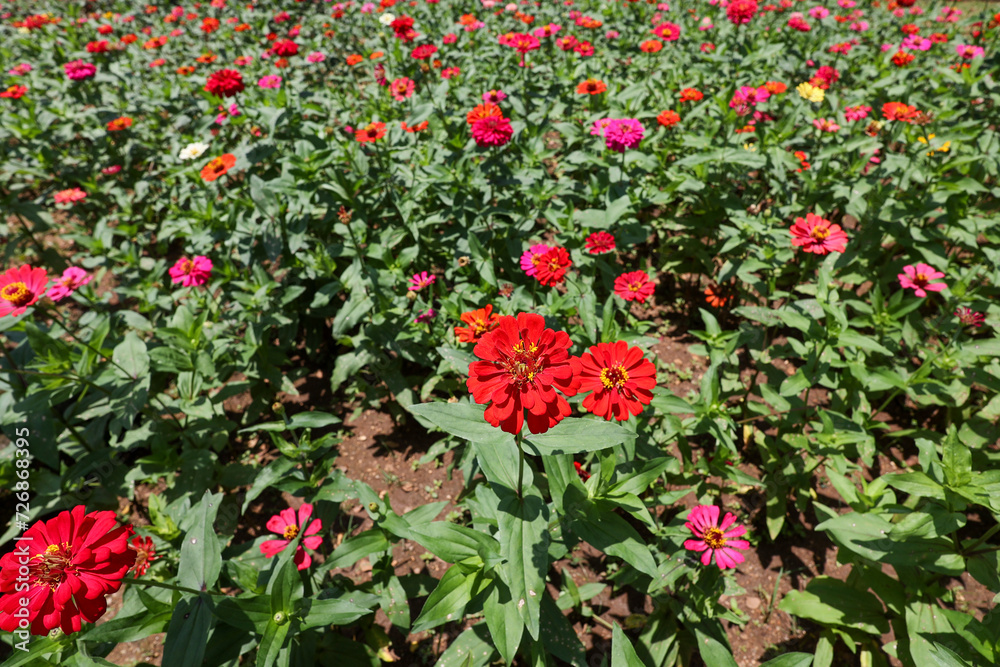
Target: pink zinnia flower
pixel 111 170
pixel 450 38
pixel 78 69
pixel 826 125
pixel 919 277
pixel 857 113
pixel 818 235
pixel 425 316
pixel 72 279
pixel 667 31
pixel 285 524
pixel 969 317
pixel 492 131
pixel 70 196
pixel 739 12
pixel 746 97
pixel 190 272
pixel 969 52
pixel 713 538
pixel 316 57
pixel 272 81
pixel 494 96
pixel 401 88
pixel 21 69
pixel 622 134
pixel 420 281
pixel 532 257
pixel 597 129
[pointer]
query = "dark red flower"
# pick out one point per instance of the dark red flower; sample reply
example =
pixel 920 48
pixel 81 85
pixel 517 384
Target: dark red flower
pixel 523 365
pixel 225 83
pixel 552 266
pixel 284 48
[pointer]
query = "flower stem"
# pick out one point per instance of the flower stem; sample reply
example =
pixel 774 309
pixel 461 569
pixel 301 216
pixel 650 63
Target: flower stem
pixel 172 587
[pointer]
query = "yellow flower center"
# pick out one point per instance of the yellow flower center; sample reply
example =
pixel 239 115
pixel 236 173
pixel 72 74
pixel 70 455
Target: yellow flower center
pixel 614 377
pixel 921 279
pixel 820 233
pixel 291 531
pixel 17 293
pixel 714 538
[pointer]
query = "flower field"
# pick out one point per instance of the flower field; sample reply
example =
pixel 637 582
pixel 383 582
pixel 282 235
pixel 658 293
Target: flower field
pixel 594 332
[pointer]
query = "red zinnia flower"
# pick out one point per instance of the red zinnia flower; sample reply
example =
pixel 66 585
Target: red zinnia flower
pixel 818 235
pixel 284 523
pixel 73 562
pixel 218 167
pixel 424 51
pixel 552 266
pixel 621 380
pixel 284 48
pixel 591 87
pixel 371 132
pixel 20 288
pixel 634 286
pixel 354 59
pixel 599 243
pixel 225 83
pixel 523 364
pixel 15 92
pixel 668 118
pixel 651 46
pixel 969 317
pixel 741 11
pixel 118 124
pixel 481 321
pixel 902 58
pixel 691 95
pixel 492 131
pixel 775 87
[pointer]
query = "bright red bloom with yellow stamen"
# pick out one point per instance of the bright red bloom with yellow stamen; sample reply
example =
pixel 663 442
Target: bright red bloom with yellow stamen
pixel 621 380
pixel 73 562
pixel 481 321
pixel 552 266
pixel 371 132
pixel 145 553
pixel 523 365
pixel 119 124
pixel 21 288
pixel 818 235
pixel 634 286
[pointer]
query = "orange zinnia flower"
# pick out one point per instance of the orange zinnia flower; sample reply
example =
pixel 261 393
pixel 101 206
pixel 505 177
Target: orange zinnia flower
pixel 354 59
pixel 122 123
pixel 218 167
pixel 480 322
pixel 717 296
pixel 486 110
pixel 371 132
pixel 591 87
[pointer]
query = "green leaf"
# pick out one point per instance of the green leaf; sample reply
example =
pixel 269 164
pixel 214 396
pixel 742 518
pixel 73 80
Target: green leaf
pixel 597 523
pixel 447 601
pixel 471 649
pixel 267 476
pixel 833 602
pixel 453 543
pixel 504 620
pixel 460 420
pixel 187 634
pixel 574 435
pixel 130 358
pixel 270 644
pixel 395 604
pixel 622 652
pixel 346 608
pixel 917 484
pixel 133 628
pixel 201 559
pixel 956 459
pixel 355 548
pixel 301 420
pixel 524 544
pixel 790 660
pixel 499 461
pixel 558 635
pixel 712 651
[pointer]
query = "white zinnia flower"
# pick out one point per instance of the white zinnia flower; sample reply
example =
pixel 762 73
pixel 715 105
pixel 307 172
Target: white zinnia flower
pixel 191 151
pixel 387 18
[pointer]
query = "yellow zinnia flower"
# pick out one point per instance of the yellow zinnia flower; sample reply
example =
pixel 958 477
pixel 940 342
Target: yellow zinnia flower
pixel 810 92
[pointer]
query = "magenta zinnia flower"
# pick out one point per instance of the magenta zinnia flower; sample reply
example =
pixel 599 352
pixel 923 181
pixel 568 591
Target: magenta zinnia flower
pixel 421 280
pixel 622 134
pixel 491 131
pixel 712 538
pixel 818 235
pixel 78 69
pixel 919 277
pixel 531 258
pixel 285 524
pixel 72 279
pixel 190 272
pixel 969 317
